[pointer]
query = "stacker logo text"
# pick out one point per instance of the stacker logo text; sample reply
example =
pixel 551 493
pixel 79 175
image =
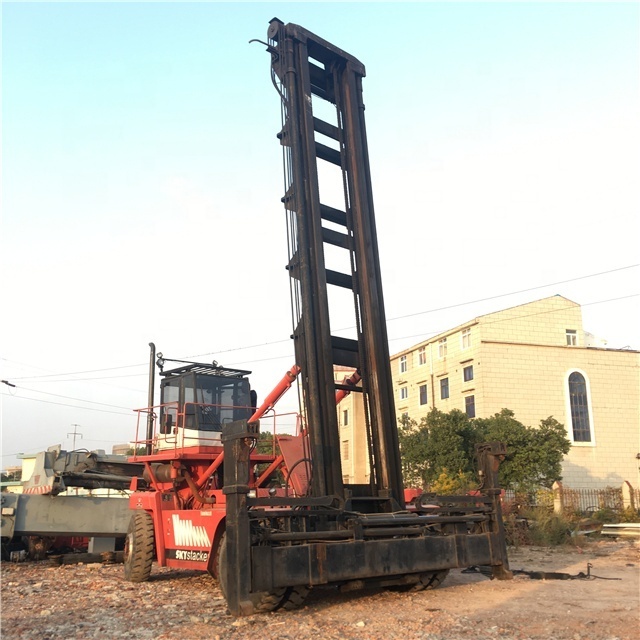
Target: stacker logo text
pixel 194 556
pixel 187 534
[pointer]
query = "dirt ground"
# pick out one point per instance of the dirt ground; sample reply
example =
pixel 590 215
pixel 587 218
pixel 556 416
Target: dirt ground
pixel 46 602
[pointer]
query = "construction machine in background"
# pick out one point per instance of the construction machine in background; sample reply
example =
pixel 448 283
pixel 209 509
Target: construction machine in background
pixel 47 514
pixel 272 526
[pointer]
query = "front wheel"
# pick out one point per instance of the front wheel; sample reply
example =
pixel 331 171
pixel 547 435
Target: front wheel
pixel 264 601
pixel 139 547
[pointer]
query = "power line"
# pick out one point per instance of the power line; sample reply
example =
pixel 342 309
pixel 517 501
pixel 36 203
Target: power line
pixel 421 335
pixel 127 375
pixel 253 346
pixel 57 395
pixel 249 362
pixel 452 306
pixel 424 335
pixel 512 293
pixel 44 447
pixel 430 334
pixel 74 373
pixel 17 453
pixel 63 404
pixel 280 358
pixel 445 308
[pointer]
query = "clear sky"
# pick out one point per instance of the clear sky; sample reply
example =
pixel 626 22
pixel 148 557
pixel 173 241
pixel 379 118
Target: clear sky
pixel 142 182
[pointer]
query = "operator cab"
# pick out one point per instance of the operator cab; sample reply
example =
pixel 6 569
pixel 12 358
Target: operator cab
pixel 197 400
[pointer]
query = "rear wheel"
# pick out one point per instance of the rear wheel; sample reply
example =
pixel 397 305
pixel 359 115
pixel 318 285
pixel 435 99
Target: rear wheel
pixel 139 548
pixel 264 601
pixel 38 546
pixel 430 580
pixel 294 597
pixel 425 581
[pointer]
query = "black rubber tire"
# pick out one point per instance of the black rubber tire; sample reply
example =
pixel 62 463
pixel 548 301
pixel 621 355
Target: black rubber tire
pixel 139 547
pixel 430 580
pixel 426 581
pixel 38 546
pixel 438 578
pixel 294 598
pixel 263 602
pixel 214 560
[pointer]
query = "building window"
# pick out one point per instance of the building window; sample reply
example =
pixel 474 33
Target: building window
pixel 470 406
pixel 444 388
pixel 345 449
pixel 467 373
pixel 579 404
pixel 422 355
pixel 442 348
pixel 465 338
pixel 345 417
pixel 404 393
pixel 572 337
pixel 403 364
pixel 423 394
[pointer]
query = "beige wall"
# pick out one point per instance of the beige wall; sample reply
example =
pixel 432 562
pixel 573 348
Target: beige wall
pixel 521 361
pixel 533 382
pixel 541 322
pixel 353 439
pixel 437 366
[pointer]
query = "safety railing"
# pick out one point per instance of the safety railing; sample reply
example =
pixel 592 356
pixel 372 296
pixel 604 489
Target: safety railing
pixel 181 435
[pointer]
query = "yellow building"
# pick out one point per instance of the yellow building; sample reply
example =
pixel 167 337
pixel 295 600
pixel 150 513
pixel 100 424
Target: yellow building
pixel 351 422
pixel 537 360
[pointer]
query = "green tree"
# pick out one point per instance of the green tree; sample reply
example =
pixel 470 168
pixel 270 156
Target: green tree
pixel 414 453
pixel 439 451
pixel 265 443
pixel 442 443
pixel 265 446
pixel 451 444
pixel 534 455
pixel 138 451
pixel 550 443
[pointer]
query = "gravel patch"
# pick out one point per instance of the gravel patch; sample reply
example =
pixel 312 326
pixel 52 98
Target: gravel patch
pixel 82 601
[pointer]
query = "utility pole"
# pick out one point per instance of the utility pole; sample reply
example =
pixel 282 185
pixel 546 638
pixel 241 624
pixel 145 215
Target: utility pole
pixel 74 433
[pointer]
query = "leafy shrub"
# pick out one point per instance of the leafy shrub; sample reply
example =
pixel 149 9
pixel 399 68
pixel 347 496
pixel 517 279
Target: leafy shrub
pixel 629 515
pixel 541 527
pixel 516 530
pixel 549 529
pixel 446 441
pixel 448 484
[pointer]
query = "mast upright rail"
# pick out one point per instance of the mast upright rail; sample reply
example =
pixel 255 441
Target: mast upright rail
pixel 350 535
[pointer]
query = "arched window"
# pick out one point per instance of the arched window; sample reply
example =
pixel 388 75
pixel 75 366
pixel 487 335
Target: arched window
pixel 579 404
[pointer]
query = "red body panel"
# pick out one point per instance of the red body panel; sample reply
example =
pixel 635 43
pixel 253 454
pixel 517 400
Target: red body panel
pixel 183 490
pixel 184 537
pixel 189 536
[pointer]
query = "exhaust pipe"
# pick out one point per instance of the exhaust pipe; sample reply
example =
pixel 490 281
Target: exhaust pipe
pixel 152 363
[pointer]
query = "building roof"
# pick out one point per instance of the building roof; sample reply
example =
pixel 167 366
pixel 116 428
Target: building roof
pixel 478 320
